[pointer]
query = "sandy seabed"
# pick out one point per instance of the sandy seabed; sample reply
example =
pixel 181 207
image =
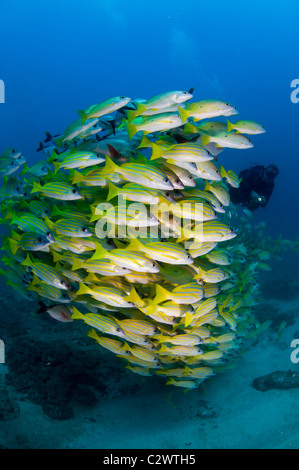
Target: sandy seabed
pixel 227 413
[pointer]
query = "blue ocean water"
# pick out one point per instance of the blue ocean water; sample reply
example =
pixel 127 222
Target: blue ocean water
pixel 58 57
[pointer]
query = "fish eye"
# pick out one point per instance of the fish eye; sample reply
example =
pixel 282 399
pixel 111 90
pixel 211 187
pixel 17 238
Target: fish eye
pixel 118 330
pixel 74 191
pixel 39 240
pixel 165 179
pixel 153 265
pixel 189 256
pixel 84 229
pixel 122 97
pixel 12 163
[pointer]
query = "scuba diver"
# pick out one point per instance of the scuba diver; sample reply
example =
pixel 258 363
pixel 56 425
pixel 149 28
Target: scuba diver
pixel 256 186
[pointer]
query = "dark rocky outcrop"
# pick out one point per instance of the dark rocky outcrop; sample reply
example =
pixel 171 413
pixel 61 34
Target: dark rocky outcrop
pixel 281 380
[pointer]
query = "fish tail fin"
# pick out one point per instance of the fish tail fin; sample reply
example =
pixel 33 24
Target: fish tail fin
pixel 222 171
pixel 77 315
pixel 14 219
pixel 77 264
pixel 42 307
pixel 170 382
pixel 40 148
pixel 230 126
pixel 163 348
pixel 161 294
pixel 126 347
pixel 188 319
pixel 54 156
pixel 198 276
pixel 145 143
pixel 140 108
pixel 48 222
pixel 162 339
pixel 83 289
pixel 59 141
pixel 36 187
pixel 132 129
pixel 77 177
pixel 156 152
pixel 56 167
pixel 131 114
pixel 13 245
pixel 56 256
pixel 48 137
pixel 183 113
pixel 27 261
pixel 110 166
pixel 82 115
pixel 93 334
pixel 100 252
pixel 94 215
pixel 205 140
pixel 55 211
pixel 190 128
pixel 113 191
pixel 135 298
pixel 91 277
pixel 15 236
pixel 135 245
pixel 25 169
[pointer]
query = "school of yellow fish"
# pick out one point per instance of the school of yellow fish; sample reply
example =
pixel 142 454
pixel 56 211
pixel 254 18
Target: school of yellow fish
pixel 126 226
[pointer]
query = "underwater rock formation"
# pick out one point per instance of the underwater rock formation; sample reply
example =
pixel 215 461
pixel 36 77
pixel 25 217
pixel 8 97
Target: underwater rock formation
pixel 9 408
pixel 50 375
pixel 280 380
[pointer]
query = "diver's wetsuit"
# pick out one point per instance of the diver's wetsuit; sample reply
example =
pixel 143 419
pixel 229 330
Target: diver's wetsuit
pixel 254 180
